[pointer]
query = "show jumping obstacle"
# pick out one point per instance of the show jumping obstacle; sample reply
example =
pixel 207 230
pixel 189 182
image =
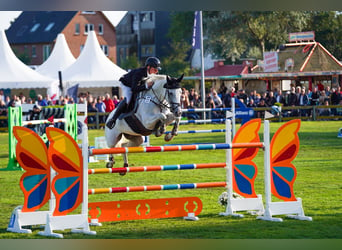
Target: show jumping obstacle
pixel 70 185
pixel 15 118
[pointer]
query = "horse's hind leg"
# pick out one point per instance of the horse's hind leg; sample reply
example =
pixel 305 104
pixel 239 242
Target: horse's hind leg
pixel 133 141
pixel 125 165
pixel 112 139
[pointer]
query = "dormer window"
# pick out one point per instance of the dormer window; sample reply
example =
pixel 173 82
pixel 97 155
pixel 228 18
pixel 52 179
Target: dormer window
pixel 35 27
pixel 49 27
pixel 89 12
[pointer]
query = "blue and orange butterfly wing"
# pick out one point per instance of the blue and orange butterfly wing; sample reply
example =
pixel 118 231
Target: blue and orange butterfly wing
pixel 244 169
pixel 31 154
pixel 66 159
pixel 284 148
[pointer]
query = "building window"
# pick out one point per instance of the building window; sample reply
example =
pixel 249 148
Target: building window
pixel 105 49
pixel 49 27
pixel 77 28
pixel 81 48
pixel 147 17
pixel 35 27
pixel 88 27
pixel 100 29
pixel 89 12
pixel 33 51
pixel 46 51
pixel 147 51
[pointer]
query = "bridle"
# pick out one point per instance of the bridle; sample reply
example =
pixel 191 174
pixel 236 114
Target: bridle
pixel 161 103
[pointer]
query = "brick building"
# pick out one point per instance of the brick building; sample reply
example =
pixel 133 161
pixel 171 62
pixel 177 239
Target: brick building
pixel 34 33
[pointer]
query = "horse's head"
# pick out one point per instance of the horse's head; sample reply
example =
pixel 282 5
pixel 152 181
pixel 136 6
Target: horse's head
pixel 173 89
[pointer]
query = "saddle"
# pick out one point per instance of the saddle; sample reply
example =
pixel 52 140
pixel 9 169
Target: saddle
pixel 133 122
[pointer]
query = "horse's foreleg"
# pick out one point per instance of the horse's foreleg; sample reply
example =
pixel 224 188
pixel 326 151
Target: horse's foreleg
pixel 174 131
pixel 110 162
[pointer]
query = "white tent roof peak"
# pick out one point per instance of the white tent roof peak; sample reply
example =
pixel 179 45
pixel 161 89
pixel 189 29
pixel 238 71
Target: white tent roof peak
pixel 14 73
pixel 60 58
pixel 93 68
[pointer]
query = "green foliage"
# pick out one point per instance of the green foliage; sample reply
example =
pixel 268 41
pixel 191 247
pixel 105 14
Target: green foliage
pixel 231 34
pixel 131 62
pixel 177 62
pixel 327 27
pixel 181 26
pixel 24 57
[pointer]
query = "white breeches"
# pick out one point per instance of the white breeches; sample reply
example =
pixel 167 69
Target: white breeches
pixel 126 92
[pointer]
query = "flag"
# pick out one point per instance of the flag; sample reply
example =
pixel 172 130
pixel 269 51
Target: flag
pixel 196 36
pixel 72 92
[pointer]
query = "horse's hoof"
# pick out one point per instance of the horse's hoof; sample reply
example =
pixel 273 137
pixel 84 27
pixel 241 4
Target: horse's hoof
pixel 109 164
pixel 168 137
pixel 125 166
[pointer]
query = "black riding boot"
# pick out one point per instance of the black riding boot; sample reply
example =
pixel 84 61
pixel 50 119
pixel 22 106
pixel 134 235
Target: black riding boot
pixel 119 110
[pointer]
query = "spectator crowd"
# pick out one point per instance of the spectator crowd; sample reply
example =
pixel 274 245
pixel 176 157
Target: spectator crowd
pixel 297 96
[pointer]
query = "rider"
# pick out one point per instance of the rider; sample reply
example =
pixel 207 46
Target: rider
pixel 132 83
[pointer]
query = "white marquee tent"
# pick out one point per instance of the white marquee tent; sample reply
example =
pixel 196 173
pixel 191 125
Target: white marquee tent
pixel 16 75
pixel 92 68
pixel 60 59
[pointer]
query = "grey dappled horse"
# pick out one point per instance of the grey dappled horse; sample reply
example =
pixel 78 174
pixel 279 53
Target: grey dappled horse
pixel 154 110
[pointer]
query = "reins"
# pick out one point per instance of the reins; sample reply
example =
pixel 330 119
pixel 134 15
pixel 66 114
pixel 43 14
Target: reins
pixel 160 103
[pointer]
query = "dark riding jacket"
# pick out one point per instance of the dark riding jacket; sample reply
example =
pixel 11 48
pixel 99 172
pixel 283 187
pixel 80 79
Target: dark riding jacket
pixel 133 79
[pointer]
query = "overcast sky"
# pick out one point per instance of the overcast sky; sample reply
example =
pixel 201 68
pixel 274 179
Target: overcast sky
pixel 7 16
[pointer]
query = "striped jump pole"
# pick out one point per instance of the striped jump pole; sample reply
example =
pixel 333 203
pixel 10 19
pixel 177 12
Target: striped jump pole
pixel 123 150
pixel 220 120
pixel 35 122
pixel 156 168
pixel 156 187
pixel 199 131
pixel 230 113
pixel 205 109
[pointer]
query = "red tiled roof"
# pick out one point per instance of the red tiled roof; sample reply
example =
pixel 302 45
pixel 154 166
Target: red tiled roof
pixel 226 70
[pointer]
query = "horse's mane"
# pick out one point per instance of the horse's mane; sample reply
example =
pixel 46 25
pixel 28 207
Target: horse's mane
pixel 154 77
pixel 157 79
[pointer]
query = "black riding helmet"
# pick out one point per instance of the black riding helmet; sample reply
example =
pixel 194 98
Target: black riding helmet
pixel 153 62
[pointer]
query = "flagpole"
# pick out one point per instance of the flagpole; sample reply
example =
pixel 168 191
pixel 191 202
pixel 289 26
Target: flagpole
pixel 202 64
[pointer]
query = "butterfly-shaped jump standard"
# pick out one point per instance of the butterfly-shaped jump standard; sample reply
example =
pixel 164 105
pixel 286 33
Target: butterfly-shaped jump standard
pixel 284 148
pixel 31 154
pixel 66 159
pixel 244 169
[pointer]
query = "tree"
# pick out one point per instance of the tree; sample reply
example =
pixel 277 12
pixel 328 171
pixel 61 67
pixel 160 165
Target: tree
pixel 24 57
pixel 327 26
pixel 131 62
pixel 231 34
pixel 180 33
pixel 176 63
pixel 181 26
